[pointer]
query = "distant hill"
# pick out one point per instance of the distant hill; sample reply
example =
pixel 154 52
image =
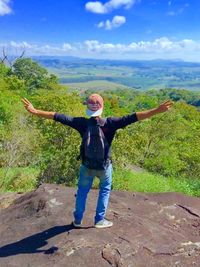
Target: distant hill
pixel 134 63
pixel 139 74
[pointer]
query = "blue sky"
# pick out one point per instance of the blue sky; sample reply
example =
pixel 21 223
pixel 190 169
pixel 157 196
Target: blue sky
pixel 116 29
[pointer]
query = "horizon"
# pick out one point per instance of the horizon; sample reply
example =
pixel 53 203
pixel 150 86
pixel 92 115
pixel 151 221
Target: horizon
pixel 178 60
pixel 106 29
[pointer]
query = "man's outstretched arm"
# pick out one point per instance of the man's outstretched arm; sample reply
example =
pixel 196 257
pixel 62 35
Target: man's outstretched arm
pixel 40 113
pixel 165 106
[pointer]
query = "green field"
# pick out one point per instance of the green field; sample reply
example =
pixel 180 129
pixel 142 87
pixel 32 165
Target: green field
pixel 142 75
pixel 97 85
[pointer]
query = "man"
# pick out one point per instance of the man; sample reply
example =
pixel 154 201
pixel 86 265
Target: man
pixel 102 131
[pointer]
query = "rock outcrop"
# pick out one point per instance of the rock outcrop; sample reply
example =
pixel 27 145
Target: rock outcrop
pixel 153 230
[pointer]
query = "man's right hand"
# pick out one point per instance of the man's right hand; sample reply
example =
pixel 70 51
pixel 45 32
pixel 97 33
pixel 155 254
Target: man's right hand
pixel 40 113
pixel 28 106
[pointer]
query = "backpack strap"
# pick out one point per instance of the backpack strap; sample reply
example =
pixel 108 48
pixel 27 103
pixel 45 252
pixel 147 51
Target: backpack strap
pixel 101 122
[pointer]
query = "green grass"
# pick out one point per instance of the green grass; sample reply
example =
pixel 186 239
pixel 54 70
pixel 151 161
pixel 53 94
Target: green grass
pixel 25 179
pixel 18 179
pixel 148 182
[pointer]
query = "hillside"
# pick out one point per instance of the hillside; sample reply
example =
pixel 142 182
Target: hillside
pixel 149 230
pixel 169 153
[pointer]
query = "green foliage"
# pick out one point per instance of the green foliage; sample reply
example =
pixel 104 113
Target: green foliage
pixel 33 75
pixel 15 84
pixel 8 105
pixel 4 70
pixel 164 144
pixel 60 145
pixel 167 144
pixel 18 179
pixel 190 97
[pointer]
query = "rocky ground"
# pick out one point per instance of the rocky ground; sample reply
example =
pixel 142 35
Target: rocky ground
pixel 151 230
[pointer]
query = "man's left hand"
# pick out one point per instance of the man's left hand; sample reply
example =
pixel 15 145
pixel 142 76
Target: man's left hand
pixel 165 106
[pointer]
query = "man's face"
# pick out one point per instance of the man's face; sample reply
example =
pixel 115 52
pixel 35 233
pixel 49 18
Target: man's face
pixel 95 105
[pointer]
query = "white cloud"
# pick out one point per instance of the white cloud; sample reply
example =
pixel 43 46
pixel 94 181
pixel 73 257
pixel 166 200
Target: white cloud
pixel 97 47
pixel 116 22
pixel 96 7
pixel 114 4
pixel 186 49
pixel 4 7
pixel 67 47
pixel 178 11
pixel 160 48
pixel 100 8
pixel 13 48
pixel 24 45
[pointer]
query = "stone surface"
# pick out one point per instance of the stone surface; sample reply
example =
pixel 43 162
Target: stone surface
pixel 7 198
pixel 153 230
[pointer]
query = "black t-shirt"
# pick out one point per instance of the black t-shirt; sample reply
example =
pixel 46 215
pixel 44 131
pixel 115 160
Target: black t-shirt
pixel 112 124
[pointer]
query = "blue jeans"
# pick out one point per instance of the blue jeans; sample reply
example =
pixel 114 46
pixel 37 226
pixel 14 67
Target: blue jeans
pixel 85 181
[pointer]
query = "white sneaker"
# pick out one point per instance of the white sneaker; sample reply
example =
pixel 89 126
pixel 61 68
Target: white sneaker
pixel 103 224
pixel 77 225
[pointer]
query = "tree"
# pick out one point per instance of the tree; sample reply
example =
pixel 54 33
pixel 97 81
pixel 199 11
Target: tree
pixel 34 76
pixel 59 144
pixel 3 71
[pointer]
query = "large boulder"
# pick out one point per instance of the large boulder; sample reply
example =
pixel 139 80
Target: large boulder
pixel 149 230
